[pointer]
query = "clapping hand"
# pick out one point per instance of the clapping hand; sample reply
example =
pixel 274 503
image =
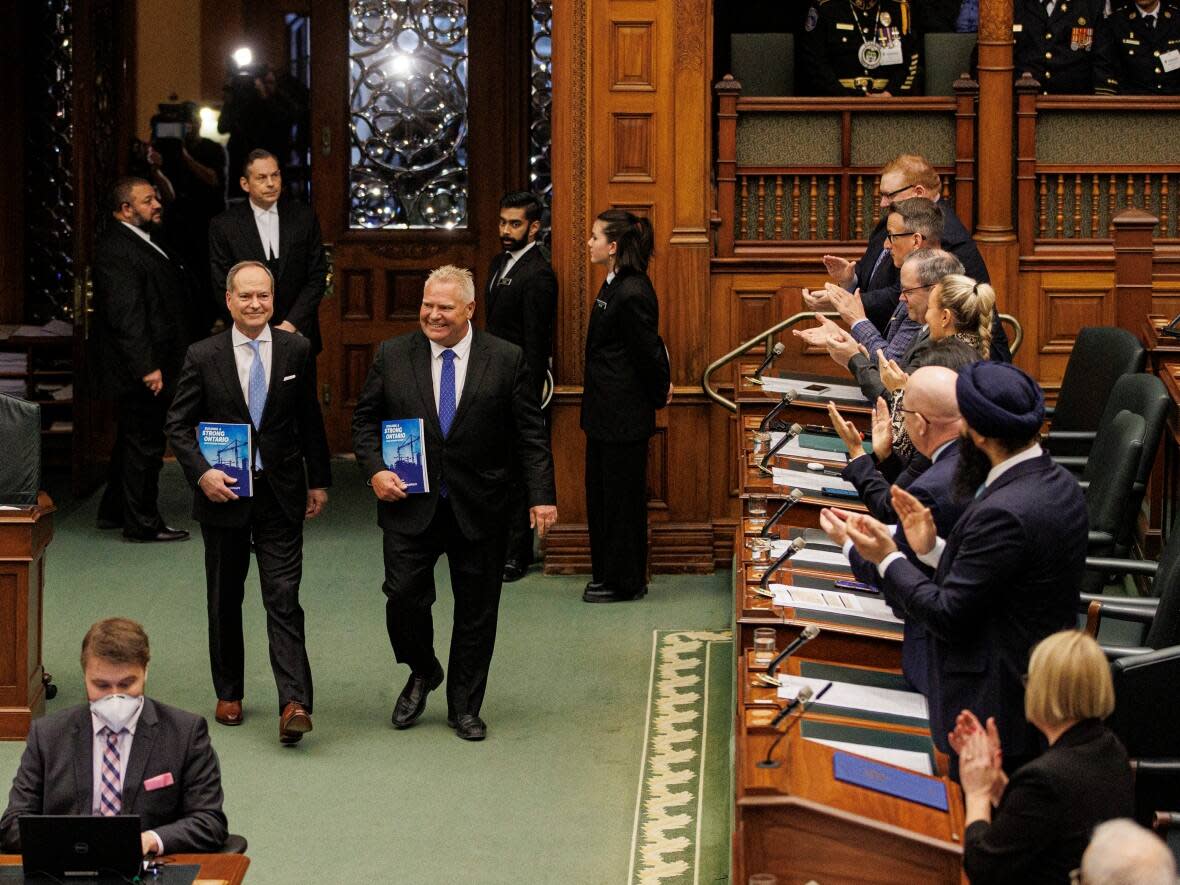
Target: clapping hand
pixel 840 270
pixel 872 538
pixel 834 523
pixel 892 375
pixel 816 300
pixel 916 519
pixel 847 304
pixel 980 760
pixel 882 430
pixel 818 336
pixel 852 438
pixel 842 347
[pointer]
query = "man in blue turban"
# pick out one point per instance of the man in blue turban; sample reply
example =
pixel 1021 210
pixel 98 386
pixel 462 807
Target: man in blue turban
pixel 1008 574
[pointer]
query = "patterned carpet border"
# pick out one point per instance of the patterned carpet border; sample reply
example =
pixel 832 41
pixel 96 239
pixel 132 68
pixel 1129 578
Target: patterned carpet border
pixel 666 839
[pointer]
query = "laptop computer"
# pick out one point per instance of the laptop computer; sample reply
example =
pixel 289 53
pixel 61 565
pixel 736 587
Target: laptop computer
pixel 67 846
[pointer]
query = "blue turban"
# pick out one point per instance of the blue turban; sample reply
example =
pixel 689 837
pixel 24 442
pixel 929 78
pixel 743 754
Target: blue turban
pixel 999 400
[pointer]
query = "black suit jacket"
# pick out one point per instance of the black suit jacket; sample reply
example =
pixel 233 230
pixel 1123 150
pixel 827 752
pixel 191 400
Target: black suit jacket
pixel 1050 808
pixel 868 375
pixel 520 308
pixel 626 372
pixel 142 304
pixel 290 439
pixel 1009 577
pixel 497 426
pixel 302 272
pixel 878 283
pixel 56 776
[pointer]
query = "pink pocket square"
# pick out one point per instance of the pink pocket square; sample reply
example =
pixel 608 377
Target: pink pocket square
pixel 158 782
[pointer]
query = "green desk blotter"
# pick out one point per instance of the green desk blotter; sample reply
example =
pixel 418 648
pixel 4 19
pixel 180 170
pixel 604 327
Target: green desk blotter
pixel 869 737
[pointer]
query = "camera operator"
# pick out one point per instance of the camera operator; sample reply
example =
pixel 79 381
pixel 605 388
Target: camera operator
pixel 260 110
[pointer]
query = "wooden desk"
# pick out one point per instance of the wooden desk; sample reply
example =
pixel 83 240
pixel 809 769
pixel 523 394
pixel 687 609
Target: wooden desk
pixel 229 868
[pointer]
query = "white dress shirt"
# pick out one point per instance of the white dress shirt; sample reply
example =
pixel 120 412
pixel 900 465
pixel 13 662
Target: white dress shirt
pixel 98 750
pixel 244 357
pixel 462 350
pixel 142 234
pixel 514 257
pixel 267 221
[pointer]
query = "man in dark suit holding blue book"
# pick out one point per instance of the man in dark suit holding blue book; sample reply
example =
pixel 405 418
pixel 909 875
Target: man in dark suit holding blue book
pixel 260 377
pixel 482 423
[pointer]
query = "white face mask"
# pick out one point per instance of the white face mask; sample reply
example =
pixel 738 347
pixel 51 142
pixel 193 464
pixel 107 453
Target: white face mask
pixel 116 710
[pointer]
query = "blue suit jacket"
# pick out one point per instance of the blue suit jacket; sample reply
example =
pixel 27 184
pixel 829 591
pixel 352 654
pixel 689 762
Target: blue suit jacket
pixel 1009 577
pixel 932 488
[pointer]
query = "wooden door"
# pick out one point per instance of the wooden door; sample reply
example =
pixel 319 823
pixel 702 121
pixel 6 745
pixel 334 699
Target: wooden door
pixel 378 274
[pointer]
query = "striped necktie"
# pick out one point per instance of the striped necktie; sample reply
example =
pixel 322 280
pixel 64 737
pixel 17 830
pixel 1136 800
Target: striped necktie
pixel 111 794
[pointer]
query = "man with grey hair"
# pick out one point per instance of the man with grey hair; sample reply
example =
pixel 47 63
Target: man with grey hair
pixel 1123 853
pixel 264 377
pixel 481 428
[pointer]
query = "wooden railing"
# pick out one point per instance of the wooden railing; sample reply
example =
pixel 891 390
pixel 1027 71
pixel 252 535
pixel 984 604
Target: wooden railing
pixel 1076 202
pixel 760 205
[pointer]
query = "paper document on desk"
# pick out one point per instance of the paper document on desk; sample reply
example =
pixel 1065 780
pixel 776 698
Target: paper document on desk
pixel 831 601
pixel 858 697
pixel 814 389
pixel 807 556
pixel 796 449
pixel 911 759
pixel 805 479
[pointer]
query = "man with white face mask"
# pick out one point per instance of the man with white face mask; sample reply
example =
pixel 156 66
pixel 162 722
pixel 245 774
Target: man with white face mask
pixel 124 753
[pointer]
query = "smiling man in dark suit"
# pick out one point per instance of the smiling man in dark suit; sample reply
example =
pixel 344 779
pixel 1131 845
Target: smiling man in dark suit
pixel 255 375
pixel 142 311
pixel 282 234
pixel 123 753
pixel 481 426
pixel 521 299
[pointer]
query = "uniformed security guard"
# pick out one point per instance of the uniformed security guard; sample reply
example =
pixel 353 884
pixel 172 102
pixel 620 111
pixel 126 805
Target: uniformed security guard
pixel 1057 42
pixel 1142 52
pixel 860 47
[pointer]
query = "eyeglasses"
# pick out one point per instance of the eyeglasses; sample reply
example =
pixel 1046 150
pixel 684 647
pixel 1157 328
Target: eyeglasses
pixel 906 411
pixel 915 289
pixel 891 194
pixel 900 233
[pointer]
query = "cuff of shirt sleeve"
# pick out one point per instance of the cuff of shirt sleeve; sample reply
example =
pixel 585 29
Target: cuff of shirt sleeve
pixel 883 565
pixel 159 841
pixel 847 548
pixel 931 559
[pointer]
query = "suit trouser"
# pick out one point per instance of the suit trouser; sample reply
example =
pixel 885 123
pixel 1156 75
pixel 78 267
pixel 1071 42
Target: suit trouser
pixel 278 546
pixel 476 568
pixel 132 494
pixel 520 533
pixel 616 510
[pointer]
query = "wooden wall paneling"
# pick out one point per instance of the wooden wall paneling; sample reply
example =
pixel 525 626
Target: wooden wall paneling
pixel 1133 254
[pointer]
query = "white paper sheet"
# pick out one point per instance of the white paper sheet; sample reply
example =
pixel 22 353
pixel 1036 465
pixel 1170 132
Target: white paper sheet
pixel 830 600
pixel 858 697
pixel 911 759
pixel 805 479
pixel 830 391
pixel 822 558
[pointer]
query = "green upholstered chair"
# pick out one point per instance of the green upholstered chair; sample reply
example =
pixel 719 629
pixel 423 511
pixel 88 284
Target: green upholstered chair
pixel 947 57
pixel 763 63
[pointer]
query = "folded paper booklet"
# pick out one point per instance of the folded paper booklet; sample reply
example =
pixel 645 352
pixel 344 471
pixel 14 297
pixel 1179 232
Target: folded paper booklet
pixel 832 601
pixel 911 759
pixel 869 698
pixel 404 452
pixel 797 449
pixel 805 479
pixel 809 556
pixel 883 779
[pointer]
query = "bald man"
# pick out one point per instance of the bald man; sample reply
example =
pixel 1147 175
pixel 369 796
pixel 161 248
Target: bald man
pixel 932 419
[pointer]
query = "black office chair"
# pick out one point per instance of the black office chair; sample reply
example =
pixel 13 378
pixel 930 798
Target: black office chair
pixel 234 844
pixel 1146 719
pixel 1115 458
pixel 20 441
pixel 1101 355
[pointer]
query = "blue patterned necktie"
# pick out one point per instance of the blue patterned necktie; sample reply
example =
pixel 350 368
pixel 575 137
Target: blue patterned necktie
pixel 257 389
pixel 446 400
pixel 110 800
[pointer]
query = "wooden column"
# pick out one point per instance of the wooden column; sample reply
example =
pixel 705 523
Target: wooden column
pixel 1133 253
pixel 994 231
pixel 1027 90
pixel 24 535
pixel 728 91
pixel 966 99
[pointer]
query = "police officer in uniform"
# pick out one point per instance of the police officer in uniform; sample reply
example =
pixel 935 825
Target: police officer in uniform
pixel 860 47
pixel 1058 41
pixel 1141 54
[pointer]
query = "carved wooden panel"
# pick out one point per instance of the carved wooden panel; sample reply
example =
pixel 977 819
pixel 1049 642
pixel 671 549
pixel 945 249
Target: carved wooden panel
pixel 403 294
pixel 356 299
pixel 8 599
pixel 1069 302
pixel 357 360
pixel 1165 298
pixel 632 148
pixel 657 470
pixel 631 54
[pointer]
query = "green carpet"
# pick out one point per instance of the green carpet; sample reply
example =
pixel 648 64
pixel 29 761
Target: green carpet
pixel 551 796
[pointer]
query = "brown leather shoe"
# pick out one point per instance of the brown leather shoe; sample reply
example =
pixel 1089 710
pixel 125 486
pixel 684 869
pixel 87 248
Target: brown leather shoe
pixel 229 712
pixel 294 723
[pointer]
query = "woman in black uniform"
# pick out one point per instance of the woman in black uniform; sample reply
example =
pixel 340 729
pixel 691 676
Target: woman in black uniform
pixel 626 380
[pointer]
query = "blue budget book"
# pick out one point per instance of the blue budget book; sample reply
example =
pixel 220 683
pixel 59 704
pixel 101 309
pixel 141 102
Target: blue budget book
pixel 906 785
pixel 403 450
pixel 227 447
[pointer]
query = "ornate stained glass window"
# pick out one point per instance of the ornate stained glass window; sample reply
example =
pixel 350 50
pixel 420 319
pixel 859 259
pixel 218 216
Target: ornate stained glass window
pixel 408 102
pixel 540 118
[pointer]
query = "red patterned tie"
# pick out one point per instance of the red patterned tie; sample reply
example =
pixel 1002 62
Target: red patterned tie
pixel 111 797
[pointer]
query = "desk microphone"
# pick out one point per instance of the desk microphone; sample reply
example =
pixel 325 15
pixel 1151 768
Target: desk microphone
pixel 769 761
pixel 774 354
pixel 808 633
pixel 795 546
pixel 792 499
pixel 792 432
pixel 801 697
pixel 787 398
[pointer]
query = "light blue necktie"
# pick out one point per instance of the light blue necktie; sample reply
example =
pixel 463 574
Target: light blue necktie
pixel 446 400
pixel 257 400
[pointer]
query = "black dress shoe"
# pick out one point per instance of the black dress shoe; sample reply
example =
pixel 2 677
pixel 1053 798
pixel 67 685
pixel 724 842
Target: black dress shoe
pixel 513 571
pixel 107 525
pixel 469 727
pixel 412 701
pixel 605 593
pixel 164 534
